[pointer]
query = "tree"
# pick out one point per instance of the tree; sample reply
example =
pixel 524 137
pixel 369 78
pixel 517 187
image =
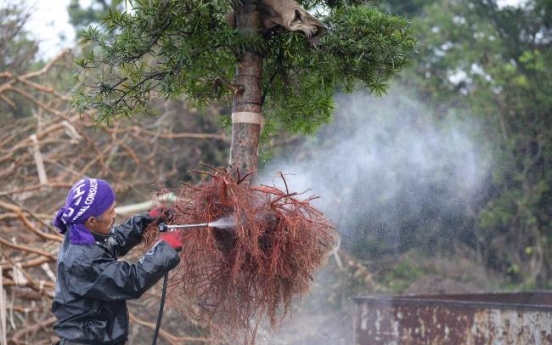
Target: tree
pixel 82 17
pixel 17 51
pixel 171 48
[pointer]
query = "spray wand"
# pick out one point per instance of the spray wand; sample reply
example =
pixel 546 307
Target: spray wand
pixel 227 223
pixel 163 227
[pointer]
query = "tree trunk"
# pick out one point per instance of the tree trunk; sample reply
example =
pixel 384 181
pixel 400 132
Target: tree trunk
pixel 247 108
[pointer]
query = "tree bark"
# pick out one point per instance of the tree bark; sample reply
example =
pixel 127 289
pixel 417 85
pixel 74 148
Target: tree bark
pixel 247 103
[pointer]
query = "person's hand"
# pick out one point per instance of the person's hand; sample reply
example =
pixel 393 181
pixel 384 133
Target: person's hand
pixel 158 211
pixel 173 239
pixel 161 213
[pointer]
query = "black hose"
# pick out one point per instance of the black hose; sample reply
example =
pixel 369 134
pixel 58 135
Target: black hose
pixel 161 306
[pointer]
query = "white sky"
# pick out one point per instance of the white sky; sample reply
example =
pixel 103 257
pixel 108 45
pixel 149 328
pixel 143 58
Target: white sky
pixel 502 3
pixel 49 22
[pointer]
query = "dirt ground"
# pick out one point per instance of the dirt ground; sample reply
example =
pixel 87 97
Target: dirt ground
pixel 309 329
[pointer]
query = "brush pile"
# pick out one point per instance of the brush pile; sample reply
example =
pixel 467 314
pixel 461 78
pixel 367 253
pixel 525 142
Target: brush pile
pixel 235 276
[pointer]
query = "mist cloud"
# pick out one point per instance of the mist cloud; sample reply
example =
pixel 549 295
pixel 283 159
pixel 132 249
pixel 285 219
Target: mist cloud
pixel 386 163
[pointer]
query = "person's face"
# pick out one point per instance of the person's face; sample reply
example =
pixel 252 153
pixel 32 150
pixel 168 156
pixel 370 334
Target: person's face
pixel 103 223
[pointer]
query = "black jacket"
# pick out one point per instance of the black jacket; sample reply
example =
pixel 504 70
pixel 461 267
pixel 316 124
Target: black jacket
pixel 92 286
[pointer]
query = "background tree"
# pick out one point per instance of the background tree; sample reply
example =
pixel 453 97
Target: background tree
pixel 494 62
pixel 172 48
pixel 82 17
pixel 17 51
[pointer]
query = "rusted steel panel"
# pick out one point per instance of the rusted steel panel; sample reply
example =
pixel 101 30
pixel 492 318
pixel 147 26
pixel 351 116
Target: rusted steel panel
pixel 473 319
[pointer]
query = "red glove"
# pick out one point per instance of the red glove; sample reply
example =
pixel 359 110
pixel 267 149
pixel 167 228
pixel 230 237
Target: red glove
pixel 173 238
pixel 161 214
pixel 159 211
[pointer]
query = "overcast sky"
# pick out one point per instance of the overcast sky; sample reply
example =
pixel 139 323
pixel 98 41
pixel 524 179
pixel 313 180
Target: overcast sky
pixel 49 22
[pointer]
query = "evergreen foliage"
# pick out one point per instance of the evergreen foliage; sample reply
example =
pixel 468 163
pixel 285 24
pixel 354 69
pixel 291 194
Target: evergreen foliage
pixel 172 48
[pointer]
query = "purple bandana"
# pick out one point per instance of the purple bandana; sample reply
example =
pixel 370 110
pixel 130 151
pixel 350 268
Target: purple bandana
pixel 87 198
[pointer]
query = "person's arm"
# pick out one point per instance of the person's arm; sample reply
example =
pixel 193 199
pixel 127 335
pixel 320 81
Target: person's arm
pixel 129 234
pixel 109 279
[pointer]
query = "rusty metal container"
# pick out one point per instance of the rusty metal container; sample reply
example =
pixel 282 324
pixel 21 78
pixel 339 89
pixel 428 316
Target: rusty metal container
pixel 463 319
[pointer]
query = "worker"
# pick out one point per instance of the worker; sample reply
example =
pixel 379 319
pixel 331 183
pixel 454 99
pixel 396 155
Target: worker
pixel 92 285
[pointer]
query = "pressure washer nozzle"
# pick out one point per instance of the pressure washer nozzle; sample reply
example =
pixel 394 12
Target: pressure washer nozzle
pixel 163 227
